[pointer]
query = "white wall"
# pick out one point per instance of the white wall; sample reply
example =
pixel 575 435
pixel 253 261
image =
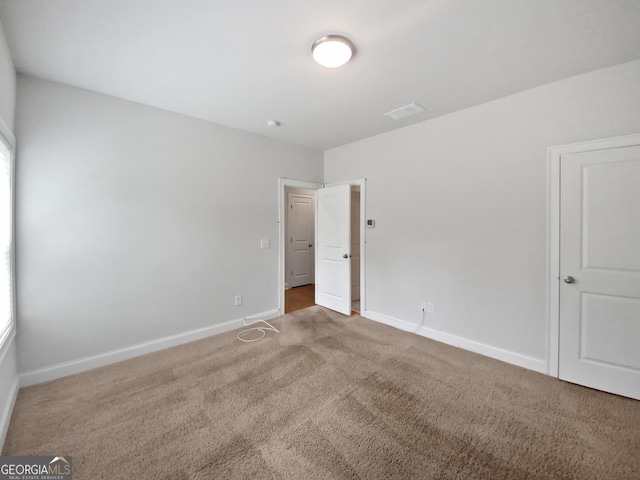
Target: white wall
pixel 8 370
pixel 135 223
pixel 460 204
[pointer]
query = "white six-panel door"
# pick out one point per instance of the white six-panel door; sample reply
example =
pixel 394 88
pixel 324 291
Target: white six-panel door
pixel 333 244
pixel 599 337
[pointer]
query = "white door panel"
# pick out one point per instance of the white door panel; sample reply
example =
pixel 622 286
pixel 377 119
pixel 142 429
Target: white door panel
pixel 600 247
pixel 301 264
pixel 604 318
pixel 611 223
pixel 333 271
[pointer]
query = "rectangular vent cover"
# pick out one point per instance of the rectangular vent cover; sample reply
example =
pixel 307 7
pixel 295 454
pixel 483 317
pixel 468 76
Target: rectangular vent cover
pixel 405 111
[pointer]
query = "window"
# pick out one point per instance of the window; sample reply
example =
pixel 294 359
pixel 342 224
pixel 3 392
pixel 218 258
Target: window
pixel 6 240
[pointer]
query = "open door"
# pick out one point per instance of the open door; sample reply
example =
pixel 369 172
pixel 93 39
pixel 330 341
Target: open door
pixel 600 269
pixel 333 230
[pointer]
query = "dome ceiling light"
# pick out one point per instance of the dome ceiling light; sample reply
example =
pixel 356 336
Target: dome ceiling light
pixel 332 51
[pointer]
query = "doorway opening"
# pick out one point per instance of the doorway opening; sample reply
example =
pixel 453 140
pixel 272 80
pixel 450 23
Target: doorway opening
pixel 298 234
pixel 356 257
pixel 299 261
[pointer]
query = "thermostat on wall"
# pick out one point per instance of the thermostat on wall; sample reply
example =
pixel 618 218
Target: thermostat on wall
pixel 371 223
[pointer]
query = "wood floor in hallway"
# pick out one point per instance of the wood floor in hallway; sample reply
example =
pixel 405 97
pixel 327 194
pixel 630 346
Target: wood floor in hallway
pixel 299 297
pixel 305 296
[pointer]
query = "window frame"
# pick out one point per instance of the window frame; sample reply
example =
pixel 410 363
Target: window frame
pixel 9 142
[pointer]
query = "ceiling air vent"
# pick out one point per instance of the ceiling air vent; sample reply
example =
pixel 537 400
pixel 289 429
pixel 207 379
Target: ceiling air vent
pixel 405 111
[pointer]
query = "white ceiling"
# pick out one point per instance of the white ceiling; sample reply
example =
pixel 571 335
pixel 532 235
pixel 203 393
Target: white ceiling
pixel 243 62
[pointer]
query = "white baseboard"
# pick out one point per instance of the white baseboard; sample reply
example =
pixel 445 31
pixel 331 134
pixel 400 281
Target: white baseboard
pixel 60 370
pixel 5 419
pixel 508 356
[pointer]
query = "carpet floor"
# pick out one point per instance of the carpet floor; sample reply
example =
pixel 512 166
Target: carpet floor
pixel 329 397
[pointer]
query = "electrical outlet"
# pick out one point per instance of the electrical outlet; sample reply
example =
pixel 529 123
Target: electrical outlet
pixel 423 306
pixel 431 308
pixel 238 300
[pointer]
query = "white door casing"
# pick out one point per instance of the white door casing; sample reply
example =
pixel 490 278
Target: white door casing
pixel 300 226
pixel 333 244
pixel 598 273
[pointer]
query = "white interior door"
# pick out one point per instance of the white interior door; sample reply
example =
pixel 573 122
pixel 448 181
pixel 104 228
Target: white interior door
pixel 300 246
pixel 599 343
pixel 333 233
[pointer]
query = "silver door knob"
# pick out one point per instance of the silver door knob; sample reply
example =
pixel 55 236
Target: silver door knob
pixel 569 279
pixel 346 255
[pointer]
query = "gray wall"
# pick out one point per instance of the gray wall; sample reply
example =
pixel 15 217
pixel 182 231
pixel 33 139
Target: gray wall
pixel 7 83
pixel 136 223
pixel 460 204
pixel 8 369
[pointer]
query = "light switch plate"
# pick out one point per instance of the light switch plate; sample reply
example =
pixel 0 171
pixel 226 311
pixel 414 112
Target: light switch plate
pixel 264 243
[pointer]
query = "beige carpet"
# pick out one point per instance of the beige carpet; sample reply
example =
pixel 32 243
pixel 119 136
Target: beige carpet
pixel 330 397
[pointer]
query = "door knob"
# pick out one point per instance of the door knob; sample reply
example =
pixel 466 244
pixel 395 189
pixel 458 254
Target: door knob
pixel 569 279
pixel 310 245
pixel 346 255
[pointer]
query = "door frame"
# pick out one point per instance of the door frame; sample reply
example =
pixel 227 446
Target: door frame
pixel 362 183
pixel 286 182
pixel 554 155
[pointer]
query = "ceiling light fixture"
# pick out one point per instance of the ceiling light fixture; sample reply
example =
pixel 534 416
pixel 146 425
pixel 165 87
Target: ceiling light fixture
pixel 332 51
